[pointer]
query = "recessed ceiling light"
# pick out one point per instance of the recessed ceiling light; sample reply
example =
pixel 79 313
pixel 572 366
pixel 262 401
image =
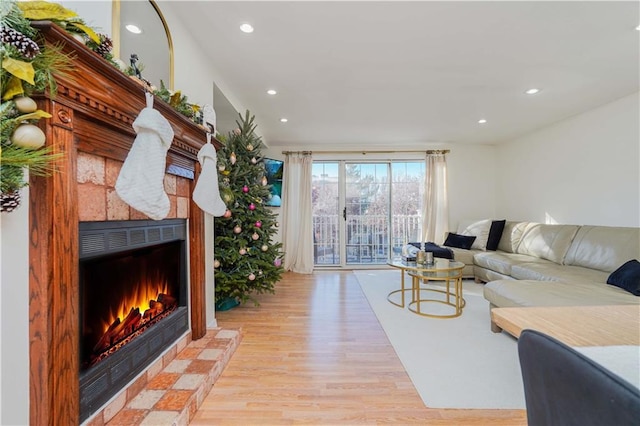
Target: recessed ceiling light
pixel 482 121
pixel 271 92
pixel 283 120
pixel 532 91
pixel 638 28
pixel 133 29
pixel 246 28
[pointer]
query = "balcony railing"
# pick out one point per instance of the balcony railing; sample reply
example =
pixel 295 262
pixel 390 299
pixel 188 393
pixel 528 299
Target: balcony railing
pixel 369 238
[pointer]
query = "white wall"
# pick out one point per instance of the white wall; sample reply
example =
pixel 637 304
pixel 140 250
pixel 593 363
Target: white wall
pixel 14 315
pixel 583 170
pixel 96 13
pixel 194 73
pixel 471 178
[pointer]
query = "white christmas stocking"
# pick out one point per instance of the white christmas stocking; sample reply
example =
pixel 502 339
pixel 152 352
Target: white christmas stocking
pixel 207 192
pixel 141 180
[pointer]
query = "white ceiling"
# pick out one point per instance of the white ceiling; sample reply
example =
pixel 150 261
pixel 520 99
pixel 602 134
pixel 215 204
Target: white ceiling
pixel 418 73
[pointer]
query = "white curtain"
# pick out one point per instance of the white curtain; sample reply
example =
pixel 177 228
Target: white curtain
pixel 297 232
pixel 435 204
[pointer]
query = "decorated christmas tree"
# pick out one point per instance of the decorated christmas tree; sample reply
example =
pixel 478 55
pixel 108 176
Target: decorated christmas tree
pixel 247 261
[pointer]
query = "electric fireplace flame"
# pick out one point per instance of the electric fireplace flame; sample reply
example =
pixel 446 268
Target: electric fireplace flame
pixel 124 295
pixel 145 299
pixel 150 303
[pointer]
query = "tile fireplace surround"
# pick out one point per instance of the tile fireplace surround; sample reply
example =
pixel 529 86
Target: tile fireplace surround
pixel 92 113
pixel 97 198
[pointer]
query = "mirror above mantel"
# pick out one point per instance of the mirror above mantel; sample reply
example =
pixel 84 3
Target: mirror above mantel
pixel 153 45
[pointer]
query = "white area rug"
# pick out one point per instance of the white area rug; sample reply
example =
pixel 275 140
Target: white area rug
pixel 453 363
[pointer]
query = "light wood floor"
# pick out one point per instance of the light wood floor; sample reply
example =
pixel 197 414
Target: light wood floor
pixel 315 353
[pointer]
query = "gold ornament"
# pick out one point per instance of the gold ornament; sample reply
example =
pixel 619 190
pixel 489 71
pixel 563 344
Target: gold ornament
pixel 25 104
pixel 232 158
pixel 249 147
pixel 216 263
pixel 28 136
pixel 221 167
pixel 237 229
pixel 264 181
pixel 264 247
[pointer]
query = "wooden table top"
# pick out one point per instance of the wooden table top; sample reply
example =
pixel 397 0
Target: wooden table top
pixel 605 325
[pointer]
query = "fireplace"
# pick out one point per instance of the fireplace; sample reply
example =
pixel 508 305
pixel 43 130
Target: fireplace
pixel 133 301
pixel 92 114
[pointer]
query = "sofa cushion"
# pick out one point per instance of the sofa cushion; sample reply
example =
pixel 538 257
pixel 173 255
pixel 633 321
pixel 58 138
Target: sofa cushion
pixel 604 247
pixel 545 270
pixel 500 262
pixel 459 241
pixel 511 236
pixel 464 256
pixel 514 293
pixel 495 232
pixel 486 275
pixel 549 242
pixel 627 277
pixel 479 229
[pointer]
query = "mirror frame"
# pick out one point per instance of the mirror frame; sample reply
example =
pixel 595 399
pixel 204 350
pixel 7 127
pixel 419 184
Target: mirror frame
pixel 115 30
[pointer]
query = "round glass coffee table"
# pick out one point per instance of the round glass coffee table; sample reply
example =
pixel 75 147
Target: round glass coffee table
pixel 411 267
pixel 446 271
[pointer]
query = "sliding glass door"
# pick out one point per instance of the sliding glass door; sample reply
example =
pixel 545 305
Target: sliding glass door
pixel 366 212
pixel 363 212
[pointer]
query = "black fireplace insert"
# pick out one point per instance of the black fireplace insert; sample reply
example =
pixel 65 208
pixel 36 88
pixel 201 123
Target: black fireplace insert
pixel 133 301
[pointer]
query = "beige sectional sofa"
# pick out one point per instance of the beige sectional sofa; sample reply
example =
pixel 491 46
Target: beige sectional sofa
pixel 554 265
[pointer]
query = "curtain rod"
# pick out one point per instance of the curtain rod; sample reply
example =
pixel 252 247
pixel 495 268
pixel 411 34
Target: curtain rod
pixel 429 151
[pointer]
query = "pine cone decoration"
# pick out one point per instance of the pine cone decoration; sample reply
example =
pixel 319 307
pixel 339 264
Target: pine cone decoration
pixel 9 201
pixel 105 46
pixel 27 47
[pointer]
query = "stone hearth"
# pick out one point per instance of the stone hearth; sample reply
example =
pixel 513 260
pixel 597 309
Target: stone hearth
pixel 173 388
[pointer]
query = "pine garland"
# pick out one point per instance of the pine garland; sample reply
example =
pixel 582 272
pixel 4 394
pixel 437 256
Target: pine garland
pixel 27 47
pixel 178 101
pixel 26 68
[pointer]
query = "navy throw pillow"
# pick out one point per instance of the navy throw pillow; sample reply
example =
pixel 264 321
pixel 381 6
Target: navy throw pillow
pixel 627 277
pixel 495 232
pixel 459 241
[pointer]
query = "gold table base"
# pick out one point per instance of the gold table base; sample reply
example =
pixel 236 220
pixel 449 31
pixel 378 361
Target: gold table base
pixel 441 270
pixel 453 293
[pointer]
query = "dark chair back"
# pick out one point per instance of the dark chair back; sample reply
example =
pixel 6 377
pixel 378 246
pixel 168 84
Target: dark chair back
pixel 564 387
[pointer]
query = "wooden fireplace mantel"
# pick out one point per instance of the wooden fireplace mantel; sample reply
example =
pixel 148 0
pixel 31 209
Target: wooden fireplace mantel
pixel 92 111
